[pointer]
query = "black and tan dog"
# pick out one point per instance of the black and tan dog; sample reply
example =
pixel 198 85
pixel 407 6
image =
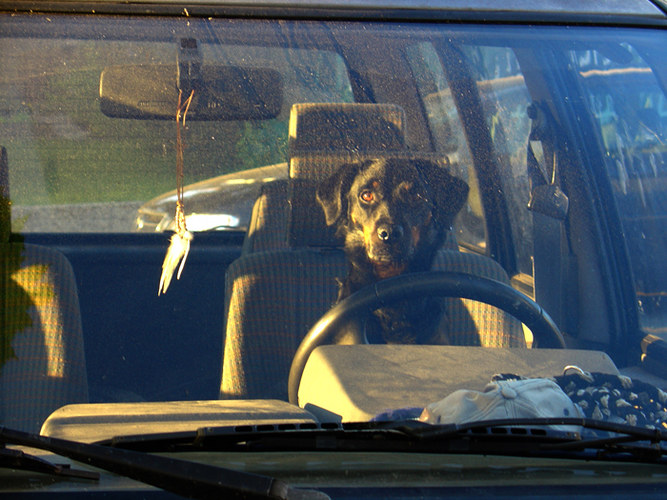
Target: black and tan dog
pixel 393 215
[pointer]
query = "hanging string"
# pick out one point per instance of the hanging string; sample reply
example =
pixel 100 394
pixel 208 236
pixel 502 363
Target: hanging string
pixel 179 246
pixel 181 113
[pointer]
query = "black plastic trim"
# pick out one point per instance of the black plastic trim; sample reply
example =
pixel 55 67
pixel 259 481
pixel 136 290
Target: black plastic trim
pixel 333 13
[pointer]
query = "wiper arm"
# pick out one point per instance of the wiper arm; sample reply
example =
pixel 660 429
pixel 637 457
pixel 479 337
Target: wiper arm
pixel 648 442
pixel 17 459
pixel 637 433
pixel 189 479
pixel 393 436
pixel 630 431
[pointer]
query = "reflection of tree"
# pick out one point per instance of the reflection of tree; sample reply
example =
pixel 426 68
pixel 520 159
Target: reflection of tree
pixel 262 143
pixel 21 287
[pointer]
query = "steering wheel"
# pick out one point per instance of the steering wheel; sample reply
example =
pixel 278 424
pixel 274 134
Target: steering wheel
pixel 435 283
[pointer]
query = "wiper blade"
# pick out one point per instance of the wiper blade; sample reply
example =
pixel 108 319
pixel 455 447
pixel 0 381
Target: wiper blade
pixel 395 436
pixel 636 433
pixel 189 479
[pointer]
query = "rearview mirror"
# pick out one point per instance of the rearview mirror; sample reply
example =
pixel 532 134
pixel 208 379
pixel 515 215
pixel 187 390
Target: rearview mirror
pixel 150 91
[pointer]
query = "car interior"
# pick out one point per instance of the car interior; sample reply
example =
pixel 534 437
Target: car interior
pixel 90 327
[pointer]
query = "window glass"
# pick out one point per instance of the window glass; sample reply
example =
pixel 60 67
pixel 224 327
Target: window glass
pixel 74 168
pixel 63 150
pixel 504 100
pixel 449 138
pixel 630 108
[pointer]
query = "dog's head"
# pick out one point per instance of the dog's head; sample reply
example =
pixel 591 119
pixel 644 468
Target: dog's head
pixel 394 211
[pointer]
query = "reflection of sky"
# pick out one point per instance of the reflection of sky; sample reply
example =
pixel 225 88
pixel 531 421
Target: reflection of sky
pixel 204 222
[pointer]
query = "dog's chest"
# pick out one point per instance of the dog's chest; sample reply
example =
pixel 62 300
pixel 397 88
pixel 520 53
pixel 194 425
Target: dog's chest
pixel 416 321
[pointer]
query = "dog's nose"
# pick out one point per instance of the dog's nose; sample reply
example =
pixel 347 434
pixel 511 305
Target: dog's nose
pixel 388 233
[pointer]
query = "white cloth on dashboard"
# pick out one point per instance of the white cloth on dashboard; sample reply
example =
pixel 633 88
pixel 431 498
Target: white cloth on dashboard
pixel 505 399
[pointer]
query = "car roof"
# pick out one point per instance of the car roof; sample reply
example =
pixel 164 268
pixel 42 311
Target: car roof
pixel 656 9
pixel 645 7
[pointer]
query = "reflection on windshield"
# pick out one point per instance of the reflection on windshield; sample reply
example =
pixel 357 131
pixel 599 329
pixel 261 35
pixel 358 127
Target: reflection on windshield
pixel 497 109
pixel 631 110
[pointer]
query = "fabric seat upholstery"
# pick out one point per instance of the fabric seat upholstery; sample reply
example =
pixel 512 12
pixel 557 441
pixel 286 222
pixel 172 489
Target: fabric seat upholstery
pixel 275 297
pixel 44 362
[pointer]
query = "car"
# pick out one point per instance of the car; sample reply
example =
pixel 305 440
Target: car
pixel 221 203
pixel 175 229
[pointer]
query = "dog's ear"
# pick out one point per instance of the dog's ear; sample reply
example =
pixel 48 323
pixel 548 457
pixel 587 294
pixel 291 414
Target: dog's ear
pixel 447 193
pixel 332 192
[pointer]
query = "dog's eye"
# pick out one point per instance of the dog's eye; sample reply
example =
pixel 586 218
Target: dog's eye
pixel 367 196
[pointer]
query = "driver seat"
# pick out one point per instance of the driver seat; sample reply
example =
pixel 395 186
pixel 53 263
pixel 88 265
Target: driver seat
pixel 274 297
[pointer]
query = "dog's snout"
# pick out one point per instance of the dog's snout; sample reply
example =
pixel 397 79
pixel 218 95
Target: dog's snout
pixel 389 233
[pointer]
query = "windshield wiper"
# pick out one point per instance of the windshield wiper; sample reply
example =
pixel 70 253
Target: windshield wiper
pixel 19 460
pixel 520 437
pixel 647 444
pixel 189 479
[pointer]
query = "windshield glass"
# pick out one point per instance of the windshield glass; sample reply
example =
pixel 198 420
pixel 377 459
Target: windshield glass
pixel 288 164
pixel 627 99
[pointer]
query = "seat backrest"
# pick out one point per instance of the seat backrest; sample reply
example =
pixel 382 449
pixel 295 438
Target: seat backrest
pixel 42 360
pixel 43 364
pixel 272 300
pixel 274 296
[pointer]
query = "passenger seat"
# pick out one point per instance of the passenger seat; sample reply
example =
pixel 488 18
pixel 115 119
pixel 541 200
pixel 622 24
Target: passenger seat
pixel 42 360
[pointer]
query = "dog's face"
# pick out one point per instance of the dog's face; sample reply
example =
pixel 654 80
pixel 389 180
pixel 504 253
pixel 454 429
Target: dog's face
pixel 393 212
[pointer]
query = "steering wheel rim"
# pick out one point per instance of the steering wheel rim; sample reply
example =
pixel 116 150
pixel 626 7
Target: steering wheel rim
pixel 437 283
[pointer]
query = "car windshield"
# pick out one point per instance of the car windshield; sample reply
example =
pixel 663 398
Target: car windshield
pixel 282 166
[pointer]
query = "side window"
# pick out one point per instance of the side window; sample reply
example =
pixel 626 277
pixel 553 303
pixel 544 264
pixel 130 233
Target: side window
pixel 449 139
pixel 629 107
pixel 505 99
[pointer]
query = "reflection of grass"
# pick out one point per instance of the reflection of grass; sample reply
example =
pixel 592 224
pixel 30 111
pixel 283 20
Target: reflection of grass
pixel 104 170
pixel 62 149
pixel 52 171
pixel 126 168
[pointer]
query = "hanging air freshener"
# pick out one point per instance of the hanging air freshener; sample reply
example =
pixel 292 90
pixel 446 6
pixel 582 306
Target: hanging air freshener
pixel 179 246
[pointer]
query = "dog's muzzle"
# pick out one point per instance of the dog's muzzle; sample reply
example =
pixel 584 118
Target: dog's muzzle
pixel 389 245
pixel 390 233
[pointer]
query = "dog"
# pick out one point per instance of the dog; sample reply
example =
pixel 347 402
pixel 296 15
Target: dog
pixel 393 215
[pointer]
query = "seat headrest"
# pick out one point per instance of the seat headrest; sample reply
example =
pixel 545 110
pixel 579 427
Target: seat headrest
pixel 345 127
pixel 306 224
